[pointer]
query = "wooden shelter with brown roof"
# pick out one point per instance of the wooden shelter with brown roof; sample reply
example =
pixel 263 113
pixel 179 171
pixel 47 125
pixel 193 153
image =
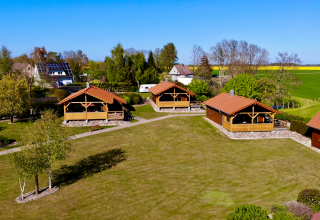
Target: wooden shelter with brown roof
pixel 237 113
pixel 169 95
pixel 314 123
pixel 93 103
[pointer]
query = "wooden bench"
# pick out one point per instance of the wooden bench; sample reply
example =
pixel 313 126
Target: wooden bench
pixel 96 127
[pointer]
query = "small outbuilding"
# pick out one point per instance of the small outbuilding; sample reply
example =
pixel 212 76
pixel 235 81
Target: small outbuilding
pixel 93 103
pixel 169 95
pixel 314 123
pixel 237 113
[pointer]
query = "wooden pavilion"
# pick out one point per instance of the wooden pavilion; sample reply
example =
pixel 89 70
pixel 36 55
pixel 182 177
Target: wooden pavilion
pixel 170 95
pixel 314 123
pixel 93 103
pixel 237 113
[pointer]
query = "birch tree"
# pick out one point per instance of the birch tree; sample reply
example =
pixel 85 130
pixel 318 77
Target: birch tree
pixel 19 165
pixel 50 141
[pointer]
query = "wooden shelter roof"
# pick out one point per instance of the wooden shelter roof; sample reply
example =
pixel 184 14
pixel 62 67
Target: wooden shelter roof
pixel 315 122
pixel 231 105
pixel 163 86
pixel 95 92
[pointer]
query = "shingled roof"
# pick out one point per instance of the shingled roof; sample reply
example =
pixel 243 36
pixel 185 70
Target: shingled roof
pixel 233 104
pixel 315 122
pixel 183 69
pixel 95 92
pixel 163 86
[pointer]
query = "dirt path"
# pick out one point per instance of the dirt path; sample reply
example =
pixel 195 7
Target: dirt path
pixel 141 121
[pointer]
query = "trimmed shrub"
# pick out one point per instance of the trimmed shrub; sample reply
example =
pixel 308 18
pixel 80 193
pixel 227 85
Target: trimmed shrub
pixel 291 117
pixel 202 98
pixel 60 94
pixel 299 127
pixel 111 86
pixel 310 197
pixel 299 210
pixel 136 100
pixel 315 208
pixel 248 212
pixel 4 140
pixel 45 105
pixel 39 92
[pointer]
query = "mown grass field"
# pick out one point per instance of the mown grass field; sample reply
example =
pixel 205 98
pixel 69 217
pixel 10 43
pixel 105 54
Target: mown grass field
pixel 178 168
pixel 17 130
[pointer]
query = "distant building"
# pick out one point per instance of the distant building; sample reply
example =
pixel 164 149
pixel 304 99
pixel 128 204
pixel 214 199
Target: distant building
pixel 314 123
pixel 23 68
pixel 53 74
pixel 181 73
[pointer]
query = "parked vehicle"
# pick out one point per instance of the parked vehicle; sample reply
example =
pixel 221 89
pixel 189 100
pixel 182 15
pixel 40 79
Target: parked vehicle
pixel 146 87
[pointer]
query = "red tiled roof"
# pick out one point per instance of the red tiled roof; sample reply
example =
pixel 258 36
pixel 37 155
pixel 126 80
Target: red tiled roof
pixel 315 121
pixel 163 86
pixel 95 92
pixel 183 69
pixel 231 105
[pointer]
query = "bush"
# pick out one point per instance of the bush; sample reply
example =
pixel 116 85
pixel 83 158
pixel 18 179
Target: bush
pixel 39 92
pixel 129 97
pixel 299 210
pixel 315 208
pixel 60 94
pixel 136 100
pixel 4 140
pixel 284 216
pixel 310 197
pixel 45 105
pixel 278 208
pixel 299 127
pixel 291 117
pixel 248 212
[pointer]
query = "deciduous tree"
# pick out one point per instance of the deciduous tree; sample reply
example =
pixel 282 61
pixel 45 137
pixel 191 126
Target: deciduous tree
pixel 168 56
pixel 242 85
pixel 199 87
pixel 77 62
pixel 196 54
pixel 14 95
pixel 49 141
pixel 284 75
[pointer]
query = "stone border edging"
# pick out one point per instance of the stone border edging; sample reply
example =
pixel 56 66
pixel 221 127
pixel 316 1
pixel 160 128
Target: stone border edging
pixel 223 130
pixel 35 197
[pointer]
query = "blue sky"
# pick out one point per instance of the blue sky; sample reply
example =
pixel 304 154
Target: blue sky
pixel 96 26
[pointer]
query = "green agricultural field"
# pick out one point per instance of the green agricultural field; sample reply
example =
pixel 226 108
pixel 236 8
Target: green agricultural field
pixel 178 168
pixel 310 88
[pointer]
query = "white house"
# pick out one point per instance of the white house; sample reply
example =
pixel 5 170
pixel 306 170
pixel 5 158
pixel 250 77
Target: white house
pixel 55 74
pixel 182 73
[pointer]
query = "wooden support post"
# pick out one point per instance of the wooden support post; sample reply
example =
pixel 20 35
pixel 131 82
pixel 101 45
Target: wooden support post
pixel 86 106
pixel 64 111
pixel 252 118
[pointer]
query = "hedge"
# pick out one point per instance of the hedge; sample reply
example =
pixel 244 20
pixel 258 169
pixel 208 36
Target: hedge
pixel 289 117
pixel 111 86
pixel 299 127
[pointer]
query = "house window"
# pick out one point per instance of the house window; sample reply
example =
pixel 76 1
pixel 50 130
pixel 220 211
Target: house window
pixel 228 118
pixel 210 111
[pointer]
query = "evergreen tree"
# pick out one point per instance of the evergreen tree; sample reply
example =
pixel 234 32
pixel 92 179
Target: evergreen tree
pixel 6 61
pixel 151 60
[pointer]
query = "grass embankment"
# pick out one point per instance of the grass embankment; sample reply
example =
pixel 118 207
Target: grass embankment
pixel 16 131
pixel 307 112
pixel 179 168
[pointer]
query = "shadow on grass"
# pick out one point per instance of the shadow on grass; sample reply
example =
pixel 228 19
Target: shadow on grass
pixel 67 175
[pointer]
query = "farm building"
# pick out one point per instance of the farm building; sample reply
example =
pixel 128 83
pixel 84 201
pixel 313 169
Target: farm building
pixel 237 113
pixel 314 123
pixel 93 103
pixel 170 95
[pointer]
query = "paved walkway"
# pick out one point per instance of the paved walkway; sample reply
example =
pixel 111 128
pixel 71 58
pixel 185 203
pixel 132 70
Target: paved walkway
pixel 141 121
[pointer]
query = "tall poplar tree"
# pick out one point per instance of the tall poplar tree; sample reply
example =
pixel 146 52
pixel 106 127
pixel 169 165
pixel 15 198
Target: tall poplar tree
pixel 6 61
pixel 168 56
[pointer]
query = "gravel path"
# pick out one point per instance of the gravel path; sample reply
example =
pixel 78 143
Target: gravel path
pixel 265 135
pixel 141 121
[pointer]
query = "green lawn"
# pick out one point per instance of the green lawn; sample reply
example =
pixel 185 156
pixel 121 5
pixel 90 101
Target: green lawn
pixel 178 168
pixel 147 112
pixel 17 130
pixel 145 95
